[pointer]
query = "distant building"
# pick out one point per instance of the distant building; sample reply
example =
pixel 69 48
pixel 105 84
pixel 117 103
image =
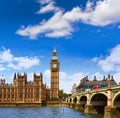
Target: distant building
pixel 86 84
pixel 22 91
pixel 74 89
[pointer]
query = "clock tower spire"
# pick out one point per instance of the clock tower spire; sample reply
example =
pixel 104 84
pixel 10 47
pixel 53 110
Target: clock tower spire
pixel 54 69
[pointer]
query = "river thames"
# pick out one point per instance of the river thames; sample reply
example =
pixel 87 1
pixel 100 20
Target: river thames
pixel 43 112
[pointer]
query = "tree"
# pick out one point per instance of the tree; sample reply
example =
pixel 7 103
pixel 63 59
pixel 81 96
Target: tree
pixel 62 95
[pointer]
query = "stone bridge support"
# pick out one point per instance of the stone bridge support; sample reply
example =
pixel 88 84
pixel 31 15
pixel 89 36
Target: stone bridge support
pixel 72 101
pixel 108 108
pixel 77 105
pixel 68 100
pixel 88 107
pixel 95 103
pixel 78 100
pixel 110 111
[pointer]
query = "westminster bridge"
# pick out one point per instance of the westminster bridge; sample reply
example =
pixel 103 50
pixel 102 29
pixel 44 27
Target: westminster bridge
pixel 104 100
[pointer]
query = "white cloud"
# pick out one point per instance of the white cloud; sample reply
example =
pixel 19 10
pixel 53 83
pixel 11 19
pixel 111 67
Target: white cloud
pixel 1 67
pixel 95 59
pixel 8 60
pixel 6 56
pixel 104 13
pixel 46 73
pixel 112 61
pixel 61 24
pixel 30 76
pixel 26 62
pixel 98 75
pixel 14 66
pixel 44 1
pixel 46 77
pixel 116 77
pixel 57 26
pixel 48 8
pixel 65 80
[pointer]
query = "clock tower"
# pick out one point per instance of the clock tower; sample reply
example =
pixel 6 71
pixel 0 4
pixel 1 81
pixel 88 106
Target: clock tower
pixel 54 69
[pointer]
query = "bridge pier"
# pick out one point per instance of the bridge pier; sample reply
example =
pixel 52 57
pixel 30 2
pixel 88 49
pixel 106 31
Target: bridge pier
pixel 78 105
pixel 111 112
pixel 89 109
pixel 72 103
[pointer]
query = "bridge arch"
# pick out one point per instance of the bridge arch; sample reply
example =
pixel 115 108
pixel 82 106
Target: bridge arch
pixel 83 100
pixel 70 100
pixel 99 101
pixel 99 93
pixel 75 100
pixel 116 101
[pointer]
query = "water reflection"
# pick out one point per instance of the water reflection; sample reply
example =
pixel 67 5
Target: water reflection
pixel 43 112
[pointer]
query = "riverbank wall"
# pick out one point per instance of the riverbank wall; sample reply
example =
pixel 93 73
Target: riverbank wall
pixel 17 104
pixel 56 103
pixel 34 104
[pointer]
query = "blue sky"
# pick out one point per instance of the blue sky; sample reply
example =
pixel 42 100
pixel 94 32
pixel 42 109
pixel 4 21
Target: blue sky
pixel 86 34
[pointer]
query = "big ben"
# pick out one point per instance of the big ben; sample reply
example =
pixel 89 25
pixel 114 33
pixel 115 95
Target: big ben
pixel 54 69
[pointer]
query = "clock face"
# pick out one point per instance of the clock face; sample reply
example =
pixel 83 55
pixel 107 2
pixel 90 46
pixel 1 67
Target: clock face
pixel 54 65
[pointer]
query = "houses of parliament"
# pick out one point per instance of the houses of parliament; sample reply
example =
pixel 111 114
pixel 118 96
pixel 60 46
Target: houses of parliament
pixel 22 91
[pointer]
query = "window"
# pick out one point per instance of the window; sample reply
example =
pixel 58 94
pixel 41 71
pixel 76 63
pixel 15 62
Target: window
pixel 12 90
pixel 0 90
pixel 8 95
pixel 4 90
pixel 37 92
pixel 21 93
pixel 8 90
pixel 12 95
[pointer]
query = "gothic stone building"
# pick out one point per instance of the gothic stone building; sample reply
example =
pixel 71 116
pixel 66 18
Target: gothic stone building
pixel 22 91
pixel 86 84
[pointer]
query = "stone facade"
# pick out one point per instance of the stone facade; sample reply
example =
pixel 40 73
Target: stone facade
pixel 22 91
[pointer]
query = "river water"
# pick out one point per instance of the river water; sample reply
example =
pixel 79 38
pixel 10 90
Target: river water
pixel 43 112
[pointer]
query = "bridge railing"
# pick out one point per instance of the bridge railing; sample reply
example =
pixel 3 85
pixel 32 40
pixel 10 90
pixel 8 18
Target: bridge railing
pixel 81 91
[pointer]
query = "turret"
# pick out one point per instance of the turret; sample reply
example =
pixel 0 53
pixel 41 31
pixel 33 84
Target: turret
pixel 86 78
pixel 15 77
pixel 112 79
pixel 104 78
pixel 54 55
pixel 94 78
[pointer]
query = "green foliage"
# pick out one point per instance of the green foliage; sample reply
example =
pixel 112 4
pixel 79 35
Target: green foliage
pixel 54 99
pixel 63 95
